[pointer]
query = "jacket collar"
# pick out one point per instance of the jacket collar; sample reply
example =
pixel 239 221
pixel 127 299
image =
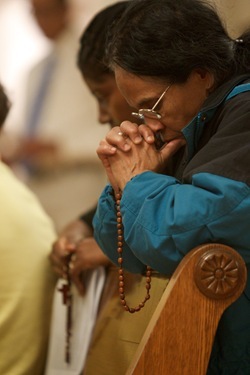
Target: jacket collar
pixel 194 129
pixel 220 94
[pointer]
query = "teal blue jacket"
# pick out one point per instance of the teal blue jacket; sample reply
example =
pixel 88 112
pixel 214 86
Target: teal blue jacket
pixel 206 198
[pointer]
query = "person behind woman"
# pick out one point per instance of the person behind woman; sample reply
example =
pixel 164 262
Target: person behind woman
pixel 116 333
pixel 26 280
pixel 189 82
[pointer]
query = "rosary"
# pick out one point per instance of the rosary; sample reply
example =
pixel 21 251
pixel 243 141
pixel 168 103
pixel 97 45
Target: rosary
pixel 66 287
pixel 120 241
pixel 67 300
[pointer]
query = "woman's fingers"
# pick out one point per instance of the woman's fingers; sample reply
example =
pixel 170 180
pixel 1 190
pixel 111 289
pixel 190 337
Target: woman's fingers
pixel 131 130
pixel 146 133
pixel 120 137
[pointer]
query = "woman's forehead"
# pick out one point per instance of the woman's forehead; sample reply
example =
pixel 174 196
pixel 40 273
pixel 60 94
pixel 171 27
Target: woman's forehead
pixel 137 90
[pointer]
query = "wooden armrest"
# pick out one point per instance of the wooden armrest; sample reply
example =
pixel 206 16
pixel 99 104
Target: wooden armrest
pixel 180 334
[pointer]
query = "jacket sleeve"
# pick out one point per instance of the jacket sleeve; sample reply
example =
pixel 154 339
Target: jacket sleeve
pixel 164 219
pixel 105 232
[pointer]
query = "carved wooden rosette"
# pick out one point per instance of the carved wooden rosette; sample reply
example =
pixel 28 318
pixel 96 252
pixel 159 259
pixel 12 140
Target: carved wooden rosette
pixel 219 272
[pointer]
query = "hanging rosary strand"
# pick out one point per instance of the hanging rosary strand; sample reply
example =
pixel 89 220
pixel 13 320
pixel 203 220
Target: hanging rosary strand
pixel 68 301
pixel 120 240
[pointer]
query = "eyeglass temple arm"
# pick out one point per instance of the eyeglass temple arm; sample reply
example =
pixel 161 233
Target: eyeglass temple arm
pixel 158 101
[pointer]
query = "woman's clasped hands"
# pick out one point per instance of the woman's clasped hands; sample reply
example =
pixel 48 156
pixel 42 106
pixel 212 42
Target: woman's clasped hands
pixel 129 149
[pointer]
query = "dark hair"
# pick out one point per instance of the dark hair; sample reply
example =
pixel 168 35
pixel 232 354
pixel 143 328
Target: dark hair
pixel 90 59
pixel 167 39
pixel 4 105
pixel 62 2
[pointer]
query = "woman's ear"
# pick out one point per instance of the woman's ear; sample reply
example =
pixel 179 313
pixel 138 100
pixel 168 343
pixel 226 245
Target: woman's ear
pixel 207 78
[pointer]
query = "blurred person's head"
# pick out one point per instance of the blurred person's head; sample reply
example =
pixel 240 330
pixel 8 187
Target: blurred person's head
pixel 4 106
pixel 113 109
pixel 52 16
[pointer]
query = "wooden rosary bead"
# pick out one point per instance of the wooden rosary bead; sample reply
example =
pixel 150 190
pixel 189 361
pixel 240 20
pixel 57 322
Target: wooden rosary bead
pixel 120 241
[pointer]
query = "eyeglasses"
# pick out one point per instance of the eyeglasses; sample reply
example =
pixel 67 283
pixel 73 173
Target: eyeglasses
pixel 150 113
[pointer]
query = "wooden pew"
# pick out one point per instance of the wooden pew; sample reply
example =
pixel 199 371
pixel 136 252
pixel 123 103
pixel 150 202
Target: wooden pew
pixel 179 337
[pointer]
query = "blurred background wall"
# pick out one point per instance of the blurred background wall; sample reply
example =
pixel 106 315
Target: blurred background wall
pixel 21 41
pixel 236 14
